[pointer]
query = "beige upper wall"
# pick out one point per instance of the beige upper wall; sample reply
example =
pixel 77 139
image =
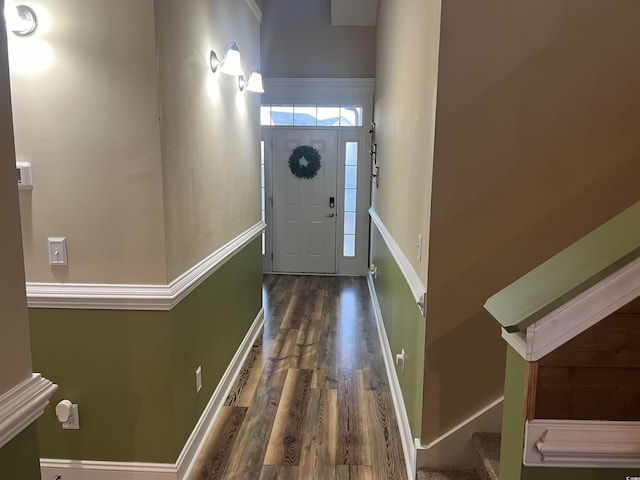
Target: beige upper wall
pixel 536 144
pixel 404 114
pixel 298 41
pixel 87 120
pixel 210 130
pixel 15 351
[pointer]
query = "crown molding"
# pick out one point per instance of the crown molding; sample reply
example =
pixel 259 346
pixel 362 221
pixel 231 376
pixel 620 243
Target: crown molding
pixel 255 8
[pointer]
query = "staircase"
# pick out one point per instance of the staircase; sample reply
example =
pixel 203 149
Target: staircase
pixel 487 446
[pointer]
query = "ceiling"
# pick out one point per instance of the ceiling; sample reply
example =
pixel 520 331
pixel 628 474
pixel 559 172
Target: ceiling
pixel 360 13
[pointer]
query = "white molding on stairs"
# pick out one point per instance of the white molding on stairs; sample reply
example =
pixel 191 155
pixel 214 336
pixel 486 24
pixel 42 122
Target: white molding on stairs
pixel 181 469
pixel 408 442
pixel 22 405
pixel 583 311
pixel 454 448
pixel 411 276
pixel 137 297
pixel 582 444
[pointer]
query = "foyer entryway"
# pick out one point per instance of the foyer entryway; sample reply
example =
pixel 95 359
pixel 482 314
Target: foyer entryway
pixel 305 209
pixel 313 399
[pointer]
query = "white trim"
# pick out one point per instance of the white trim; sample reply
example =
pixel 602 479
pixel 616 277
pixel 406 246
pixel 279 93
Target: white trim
pixel 583 311
pixel 197 439
pixel 408 442
pixel 92 470
pixel 411 276
pixel 97 470
pixel 582 444
pixel 22 405
pixel 257 11
pixel 137 297
pixel 454 448
pixel 517 341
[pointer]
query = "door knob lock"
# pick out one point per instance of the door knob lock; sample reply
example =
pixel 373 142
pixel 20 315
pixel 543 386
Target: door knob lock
pixel 331 214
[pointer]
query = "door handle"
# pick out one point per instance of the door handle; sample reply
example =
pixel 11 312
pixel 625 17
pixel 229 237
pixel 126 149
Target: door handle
pixel 331 214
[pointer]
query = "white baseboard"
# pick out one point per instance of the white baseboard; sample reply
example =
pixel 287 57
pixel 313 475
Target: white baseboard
pixel 198 437
pixel 454 448
pixel 89 470
pixel 96 470
pixel 408 443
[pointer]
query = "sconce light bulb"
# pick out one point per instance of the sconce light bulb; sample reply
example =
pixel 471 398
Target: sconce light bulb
pixel 231 64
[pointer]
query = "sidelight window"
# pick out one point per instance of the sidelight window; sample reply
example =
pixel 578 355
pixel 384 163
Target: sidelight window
pixel 350 198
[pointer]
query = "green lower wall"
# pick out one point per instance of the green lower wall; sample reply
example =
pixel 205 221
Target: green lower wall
pixel 132 373
pixel 511 467
pixel 19 458
pixel 404 325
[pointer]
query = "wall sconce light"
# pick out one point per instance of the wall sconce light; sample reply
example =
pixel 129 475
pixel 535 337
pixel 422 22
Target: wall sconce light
pixel 254 84
pixel 230 63
pixel 21 19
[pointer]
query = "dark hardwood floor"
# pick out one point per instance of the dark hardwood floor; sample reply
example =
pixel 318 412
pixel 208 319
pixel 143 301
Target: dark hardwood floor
pixel 313 400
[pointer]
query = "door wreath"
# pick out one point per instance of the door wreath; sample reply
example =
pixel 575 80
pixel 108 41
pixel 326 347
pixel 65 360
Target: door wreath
pixel 310 167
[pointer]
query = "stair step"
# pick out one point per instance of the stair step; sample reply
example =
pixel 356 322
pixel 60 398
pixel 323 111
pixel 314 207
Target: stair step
pixel 435 474
pixel 487 447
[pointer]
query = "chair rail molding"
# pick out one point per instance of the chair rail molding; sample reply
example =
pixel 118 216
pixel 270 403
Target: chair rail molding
pixel 137 297
pixel 411 276
pixel 22 405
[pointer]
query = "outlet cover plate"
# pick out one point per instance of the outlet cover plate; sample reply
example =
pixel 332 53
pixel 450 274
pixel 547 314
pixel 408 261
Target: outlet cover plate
pixel 198 379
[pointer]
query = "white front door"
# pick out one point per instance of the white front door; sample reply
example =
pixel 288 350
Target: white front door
pixel 304 210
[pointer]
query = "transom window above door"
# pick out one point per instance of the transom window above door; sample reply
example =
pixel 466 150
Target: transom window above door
pixel 311 115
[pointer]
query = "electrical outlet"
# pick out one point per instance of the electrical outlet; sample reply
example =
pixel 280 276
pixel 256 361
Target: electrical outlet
pixel 374 270
pixel 419 247
pixel 400 360
pixel 198 379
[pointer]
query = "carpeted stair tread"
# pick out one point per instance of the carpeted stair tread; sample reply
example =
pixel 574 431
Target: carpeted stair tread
pixel 487 447
pixel 430 474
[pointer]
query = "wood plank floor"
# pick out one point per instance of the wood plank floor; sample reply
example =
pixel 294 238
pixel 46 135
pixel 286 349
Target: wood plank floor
pixel 313 399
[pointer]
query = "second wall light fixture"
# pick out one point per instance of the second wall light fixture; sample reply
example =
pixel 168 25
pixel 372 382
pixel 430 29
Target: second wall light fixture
pixel 231 65
pixel 21 19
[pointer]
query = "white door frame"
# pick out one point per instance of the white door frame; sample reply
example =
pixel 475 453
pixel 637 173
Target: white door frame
pixel 329 91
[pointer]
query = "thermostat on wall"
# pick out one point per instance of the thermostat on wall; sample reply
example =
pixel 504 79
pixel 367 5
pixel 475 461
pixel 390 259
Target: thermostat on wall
pixel 23 170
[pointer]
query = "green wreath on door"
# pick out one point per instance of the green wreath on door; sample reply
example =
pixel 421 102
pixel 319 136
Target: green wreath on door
pixel 312 164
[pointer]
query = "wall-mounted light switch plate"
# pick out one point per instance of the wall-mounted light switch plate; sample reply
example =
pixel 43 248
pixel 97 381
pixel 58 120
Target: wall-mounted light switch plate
pixel 23 171
pixel 57 250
